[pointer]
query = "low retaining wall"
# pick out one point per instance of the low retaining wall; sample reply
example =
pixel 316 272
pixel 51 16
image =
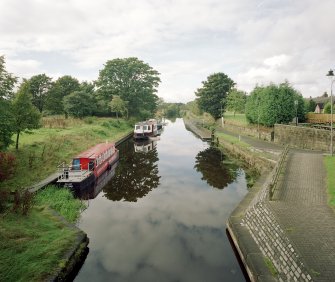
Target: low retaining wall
pixel 257 162
pixel 302 137
pixel 263 245
pixel 264 133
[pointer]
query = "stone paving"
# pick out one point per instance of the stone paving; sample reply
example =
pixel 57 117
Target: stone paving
pixel 296 230
pixel 301 208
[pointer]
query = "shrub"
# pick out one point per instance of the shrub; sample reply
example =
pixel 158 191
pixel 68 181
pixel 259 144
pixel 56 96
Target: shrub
pixel 7 165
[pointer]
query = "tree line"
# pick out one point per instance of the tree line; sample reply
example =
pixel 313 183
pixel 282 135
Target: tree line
pixel 125 87
pixel 266 105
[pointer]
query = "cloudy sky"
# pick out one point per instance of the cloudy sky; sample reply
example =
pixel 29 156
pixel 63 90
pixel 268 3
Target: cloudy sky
pixel 252 41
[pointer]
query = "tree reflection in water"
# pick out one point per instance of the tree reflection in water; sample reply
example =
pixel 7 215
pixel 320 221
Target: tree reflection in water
pixel 136 175
pixel 216 169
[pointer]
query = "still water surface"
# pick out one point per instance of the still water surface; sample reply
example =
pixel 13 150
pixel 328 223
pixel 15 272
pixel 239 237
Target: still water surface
pixel 162 215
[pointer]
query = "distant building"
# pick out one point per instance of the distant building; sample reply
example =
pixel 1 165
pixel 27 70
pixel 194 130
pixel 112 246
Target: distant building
pixel 319 108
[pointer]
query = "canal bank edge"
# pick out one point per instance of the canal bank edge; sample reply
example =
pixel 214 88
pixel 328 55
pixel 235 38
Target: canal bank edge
pixel 76 255
pixel 251 256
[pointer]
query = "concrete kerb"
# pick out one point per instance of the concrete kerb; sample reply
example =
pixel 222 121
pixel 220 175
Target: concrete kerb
pixel 249 252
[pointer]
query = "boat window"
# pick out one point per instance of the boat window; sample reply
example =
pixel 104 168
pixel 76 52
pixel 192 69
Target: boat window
pixel 76 164
pixel 145 127
pixel 149 127
pixel 137 127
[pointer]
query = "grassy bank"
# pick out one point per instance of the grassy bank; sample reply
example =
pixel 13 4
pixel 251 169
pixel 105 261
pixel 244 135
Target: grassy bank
pixel 239 119
pixel 60 139
pixel 32 247
pixel 330 164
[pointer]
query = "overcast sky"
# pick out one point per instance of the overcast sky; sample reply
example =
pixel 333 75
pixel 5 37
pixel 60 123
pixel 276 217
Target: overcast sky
pixel 252 41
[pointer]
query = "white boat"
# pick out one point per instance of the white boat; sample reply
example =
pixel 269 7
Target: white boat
pixel 145 129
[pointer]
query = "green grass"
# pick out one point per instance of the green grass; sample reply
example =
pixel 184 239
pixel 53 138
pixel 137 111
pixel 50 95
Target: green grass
pixel 61 200
pixel 238 118
pixel 32 247
pixel 232 139
pixel 271 266
pixel 330 165
pixel 43 149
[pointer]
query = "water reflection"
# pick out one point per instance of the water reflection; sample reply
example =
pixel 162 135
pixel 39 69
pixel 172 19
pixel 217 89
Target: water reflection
pixel 176 232
pixel 144 146
pixel 216 169
pixel 137 173
pixel 92 191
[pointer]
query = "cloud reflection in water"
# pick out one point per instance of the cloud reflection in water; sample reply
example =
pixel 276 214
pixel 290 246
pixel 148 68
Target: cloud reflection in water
pixel 175 233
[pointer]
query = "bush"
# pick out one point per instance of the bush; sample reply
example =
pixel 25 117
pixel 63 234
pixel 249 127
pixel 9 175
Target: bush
pixel 7 165
pixel 90 120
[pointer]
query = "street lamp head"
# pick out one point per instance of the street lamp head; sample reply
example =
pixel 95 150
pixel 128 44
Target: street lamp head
pixel 330 73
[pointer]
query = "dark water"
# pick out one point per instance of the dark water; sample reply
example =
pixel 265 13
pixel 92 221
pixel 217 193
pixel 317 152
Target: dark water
pixel 162 215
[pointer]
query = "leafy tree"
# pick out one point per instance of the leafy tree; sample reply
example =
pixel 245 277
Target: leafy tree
pixel 26 115
pixel 236 101
pixel 327 108
pixel 131 79
pixel 212 95
pixel 6 124
pixel 193 107
pixel 274 104
pixel 39 86
pixel 7 81
pixel 62 87
pixel 118 106
pixel 79 104
pixel 311 105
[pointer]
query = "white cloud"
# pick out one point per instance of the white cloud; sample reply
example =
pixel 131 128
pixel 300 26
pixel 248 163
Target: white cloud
pixel 251 41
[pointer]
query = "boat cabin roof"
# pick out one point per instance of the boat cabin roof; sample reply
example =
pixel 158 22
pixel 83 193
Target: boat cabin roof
pixel 147 122
pixel 94 152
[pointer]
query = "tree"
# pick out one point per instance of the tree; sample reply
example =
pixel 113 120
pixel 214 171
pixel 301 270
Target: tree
pixel 7 80
pixel 79 104
pixel 118 106
pixel 236 101
pixel 6 124
pixel 327 108
pixel 62 87
pixel 131 79
pixel 310 105
pixel 212 95
pixel 26 115
pixel 7 83
pixel 272 104
pixel 39 86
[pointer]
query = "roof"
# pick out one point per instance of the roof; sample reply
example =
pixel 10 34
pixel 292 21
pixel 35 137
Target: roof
pixel 321 105
pixel 95 151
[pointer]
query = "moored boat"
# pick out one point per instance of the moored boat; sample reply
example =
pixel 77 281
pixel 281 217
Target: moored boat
pixel 145 129
pixel 88 165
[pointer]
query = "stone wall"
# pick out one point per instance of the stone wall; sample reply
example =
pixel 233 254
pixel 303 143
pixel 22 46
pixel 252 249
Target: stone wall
pixel 302 137
pixel 264 133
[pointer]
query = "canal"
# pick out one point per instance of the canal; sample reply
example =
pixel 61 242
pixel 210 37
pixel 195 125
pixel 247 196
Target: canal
pixel 162 215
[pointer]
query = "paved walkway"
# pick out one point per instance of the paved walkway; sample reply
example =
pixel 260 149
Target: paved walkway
pixel 301 209
pixel 296 230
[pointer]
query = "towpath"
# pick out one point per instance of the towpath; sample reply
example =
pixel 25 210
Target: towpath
pixel 296 229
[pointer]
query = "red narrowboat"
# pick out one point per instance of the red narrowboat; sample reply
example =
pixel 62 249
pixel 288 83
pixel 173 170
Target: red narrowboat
pixel 88 165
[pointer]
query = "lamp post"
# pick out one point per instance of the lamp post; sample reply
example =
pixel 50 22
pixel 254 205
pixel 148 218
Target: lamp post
pixel 296 112
pixel 330 74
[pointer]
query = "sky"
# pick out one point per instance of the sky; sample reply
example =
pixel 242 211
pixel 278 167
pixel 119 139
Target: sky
pixel 252 41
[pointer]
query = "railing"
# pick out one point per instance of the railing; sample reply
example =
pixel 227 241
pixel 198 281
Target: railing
pixel 65 171
pixel 277 171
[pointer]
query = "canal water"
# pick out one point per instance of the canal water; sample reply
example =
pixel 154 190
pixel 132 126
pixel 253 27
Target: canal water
pixel 162 215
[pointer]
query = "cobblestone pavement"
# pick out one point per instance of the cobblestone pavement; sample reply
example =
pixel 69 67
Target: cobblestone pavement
pixel 301 209
pixel 296 230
